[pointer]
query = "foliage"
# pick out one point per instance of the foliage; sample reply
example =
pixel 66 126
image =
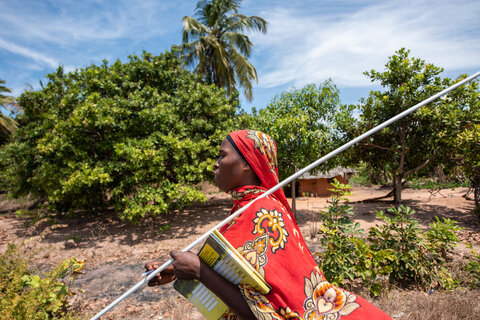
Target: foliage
pixel 435 184
pixel 468 143
pixel 473 268
pixel 216 43
pixel 396 252
pixel 402 234
pixel 346 255
pixel 373 266
pixel 362 175
pixel 24 295
pixel 7 124
pixel 137 136
pixel 420 259
pixel 302 123
pixel 441 235
pixel 421 140
pixel 337 215
pixel 336 236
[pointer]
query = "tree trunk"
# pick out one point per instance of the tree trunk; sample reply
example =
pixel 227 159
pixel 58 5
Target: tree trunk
pixel 400 173
pixel 476 195
pixel 397 195
pixel 294 207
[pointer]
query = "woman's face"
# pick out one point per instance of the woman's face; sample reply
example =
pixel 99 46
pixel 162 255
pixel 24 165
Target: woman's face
pixel 230 170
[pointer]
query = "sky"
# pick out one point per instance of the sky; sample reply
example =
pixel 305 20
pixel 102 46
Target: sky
pixel 308 41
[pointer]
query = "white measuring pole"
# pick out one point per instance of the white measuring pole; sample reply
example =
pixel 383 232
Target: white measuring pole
pixel 283 183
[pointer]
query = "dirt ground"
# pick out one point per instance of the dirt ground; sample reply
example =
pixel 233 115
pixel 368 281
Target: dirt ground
pixel 115 252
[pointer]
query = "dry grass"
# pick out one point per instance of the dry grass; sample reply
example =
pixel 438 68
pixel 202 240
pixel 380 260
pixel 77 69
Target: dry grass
pixel 410 305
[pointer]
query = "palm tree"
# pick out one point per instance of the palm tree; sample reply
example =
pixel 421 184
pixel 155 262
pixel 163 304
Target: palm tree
pixel 216 45
pixel 7 124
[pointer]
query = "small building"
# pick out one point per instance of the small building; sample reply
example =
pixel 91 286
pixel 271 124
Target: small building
pixel 317 185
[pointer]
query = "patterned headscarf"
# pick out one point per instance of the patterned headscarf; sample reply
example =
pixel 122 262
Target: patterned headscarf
pixel 260 152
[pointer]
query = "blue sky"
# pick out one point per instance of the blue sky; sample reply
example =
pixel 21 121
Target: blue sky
pixel 308 41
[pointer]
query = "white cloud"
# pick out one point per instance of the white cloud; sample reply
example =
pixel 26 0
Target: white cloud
pixel 309 48
pixel 26 52
pixel 67 23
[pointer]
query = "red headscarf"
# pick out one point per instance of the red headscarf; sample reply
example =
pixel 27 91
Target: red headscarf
pixel 260 152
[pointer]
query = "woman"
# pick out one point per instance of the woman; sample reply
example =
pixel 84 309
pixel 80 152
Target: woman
pixel 267 235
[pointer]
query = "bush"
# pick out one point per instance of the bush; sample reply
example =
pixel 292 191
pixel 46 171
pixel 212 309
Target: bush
pixel 419 259
pixel 397 252
pixel 137 136
pixel 337 236
pixel 24 295
pixel 473 267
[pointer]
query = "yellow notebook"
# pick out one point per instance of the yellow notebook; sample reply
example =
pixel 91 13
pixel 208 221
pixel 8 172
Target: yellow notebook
pixel 222 257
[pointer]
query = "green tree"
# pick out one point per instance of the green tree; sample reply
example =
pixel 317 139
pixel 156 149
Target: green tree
pixel 7 124
pixel 416 142
pixel 469 143
pixel 215 43
pixel 303 124
pixel 466 139
pixel 137 136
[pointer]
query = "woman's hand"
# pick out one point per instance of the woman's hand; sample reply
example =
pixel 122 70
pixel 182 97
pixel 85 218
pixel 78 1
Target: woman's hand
pixel 166 276
pixel 186 265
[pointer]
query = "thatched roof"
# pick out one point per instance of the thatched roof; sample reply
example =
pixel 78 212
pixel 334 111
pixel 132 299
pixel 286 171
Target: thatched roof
pixel 338 171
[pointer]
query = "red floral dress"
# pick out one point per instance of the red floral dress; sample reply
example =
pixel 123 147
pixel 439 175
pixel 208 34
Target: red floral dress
pixel 267 237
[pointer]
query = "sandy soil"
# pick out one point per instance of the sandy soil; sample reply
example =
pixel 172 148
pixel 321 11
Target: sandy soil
pixel 115 252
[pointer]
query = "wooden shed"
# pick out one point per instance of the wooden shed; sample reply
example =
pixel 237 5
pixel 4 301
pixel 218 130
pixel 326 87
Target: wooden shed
pixel 317 185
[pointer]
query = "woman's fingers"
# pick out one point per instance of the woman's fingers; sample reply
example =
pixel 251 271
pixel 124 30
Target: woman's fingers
pixel 186 264
pixel 165 276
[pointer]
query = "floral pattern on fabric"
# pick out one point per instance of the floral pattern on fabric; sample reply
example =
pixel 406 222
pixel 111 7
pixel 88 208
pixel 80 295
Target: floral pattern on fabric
pixel 266 146
pixel 239 195
pixel 260 306
pixel 325 301
pixel 274 225
pixel 287 313
pixel 255 252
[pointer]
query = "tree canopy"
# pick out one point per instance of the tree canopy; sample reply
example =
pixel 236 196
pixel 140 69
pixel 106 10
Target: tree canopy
pixel 303 124
pixel 418 141
pixel 464 143
pixel 215 42
pixel 137 136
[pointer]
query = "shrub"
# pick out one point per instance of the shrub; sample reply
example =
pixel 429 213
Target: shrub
pixel 473 268
pixel 441 236
pixel 137 136
pixel 24 295
pixel 420 260
pixel 346 256
pixel 397 252
pixel 337 235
